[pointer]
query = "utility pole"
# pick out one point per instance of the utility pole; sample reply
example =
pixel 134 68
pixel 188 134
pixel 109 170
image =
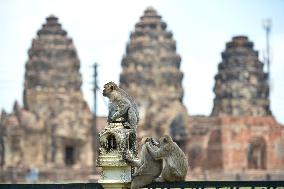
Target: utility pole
pixel 94 125
pixel 267 27
pixel 2 146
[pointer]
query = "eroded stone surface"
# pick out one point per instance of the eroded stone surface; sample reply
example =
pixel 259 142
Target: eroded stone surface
pixel 54 125
pixel 151 74
pixel 241 86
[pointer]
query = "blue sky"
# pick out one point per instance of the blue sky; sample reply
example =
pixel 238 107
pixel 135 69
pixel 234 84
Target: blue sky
pixel 100 31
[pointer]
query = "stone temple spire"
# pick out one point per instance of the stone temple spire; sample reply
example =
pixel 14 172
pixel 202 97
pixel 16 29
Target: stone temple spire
pixel 151 61
pixel 52 70
pixel 55 123
pixel 52 88
pixel 151 74
pixel 241 86
pixel 51 27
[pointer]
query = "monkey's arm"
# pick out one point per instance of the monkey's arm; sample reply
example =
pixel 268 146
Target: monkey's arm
pixel 159 154
pixel 111 111
pixel 139 171
pixel 123 106
pixel 134 163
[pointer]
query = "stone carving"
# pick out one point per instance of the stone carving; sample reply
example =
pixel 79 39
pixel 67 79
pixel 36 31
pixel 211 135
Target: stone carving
pixel 115 139
pixel 241 86
pixel 151 74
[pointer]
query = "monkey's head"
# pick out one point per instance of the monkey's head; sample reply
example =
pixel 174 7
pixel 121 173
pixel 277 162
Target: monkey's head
pixel 109 88
pixel 165 140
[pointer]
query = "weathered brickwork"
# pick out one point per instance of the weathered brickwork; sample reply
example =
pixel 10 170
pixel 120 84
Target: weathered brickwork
pixel 241 138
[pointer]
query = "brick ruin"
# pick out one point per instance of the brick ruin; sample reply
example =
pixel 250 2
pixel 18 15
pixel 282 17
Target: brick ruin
pixel 151 74
pixel 240 139
pixel 53 127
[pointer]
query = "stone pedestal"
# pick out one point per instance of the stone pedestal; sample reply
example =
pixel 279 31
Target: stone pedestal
pixel 116 177
pixel 115 143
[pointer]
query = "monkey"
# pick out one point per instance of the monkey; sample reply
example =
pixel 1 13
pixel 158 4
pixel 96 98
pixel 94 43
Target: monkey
pixel 175 161
pixel 121 106
pixel 148 169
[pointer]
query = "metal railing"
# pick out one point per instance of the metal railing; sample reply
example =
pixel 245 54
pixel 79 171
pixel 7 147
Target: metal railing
pixel 219 184
pixel 52 186
pixel 182 185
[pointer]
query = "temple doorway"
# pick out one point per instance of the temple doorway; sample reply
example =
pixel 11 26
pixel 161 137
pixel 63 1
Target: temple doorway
pixel 215 151
pixel 257 154
pixel 69 155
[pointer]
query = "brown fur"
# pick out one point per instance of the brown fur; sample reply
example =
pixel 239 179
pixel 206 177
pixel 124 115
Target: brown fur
pixel 122 106
pixel 175 161
pixel 147 167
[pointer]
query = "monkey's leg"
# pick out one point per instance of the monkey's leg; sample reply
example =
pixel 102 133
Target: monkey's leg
pixel 132 119
pixel 167 174
pixel 140 171
pixel 175 173
pixel 123 107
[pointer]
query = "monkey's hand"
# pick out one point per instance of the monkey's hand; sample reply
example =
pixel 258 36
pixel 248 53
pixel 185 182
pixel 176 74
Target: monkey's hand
pixel 127 125
pixel 127 158
pixel 160 153
pixel 136 174
pixel 148 145
pixel 114 116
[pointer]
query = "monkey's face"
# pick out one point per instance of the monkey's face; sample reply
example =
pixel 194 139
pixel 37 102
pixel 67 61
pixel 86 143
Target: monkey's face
pixel 165 139
pixel 108 88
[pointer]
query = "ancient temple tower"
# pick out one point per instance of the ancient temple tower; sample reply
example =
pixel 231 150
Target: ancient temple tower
pixel 241 86
pixel 54 125
pixel 151 74
pixel 53 90
pixel 52 68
